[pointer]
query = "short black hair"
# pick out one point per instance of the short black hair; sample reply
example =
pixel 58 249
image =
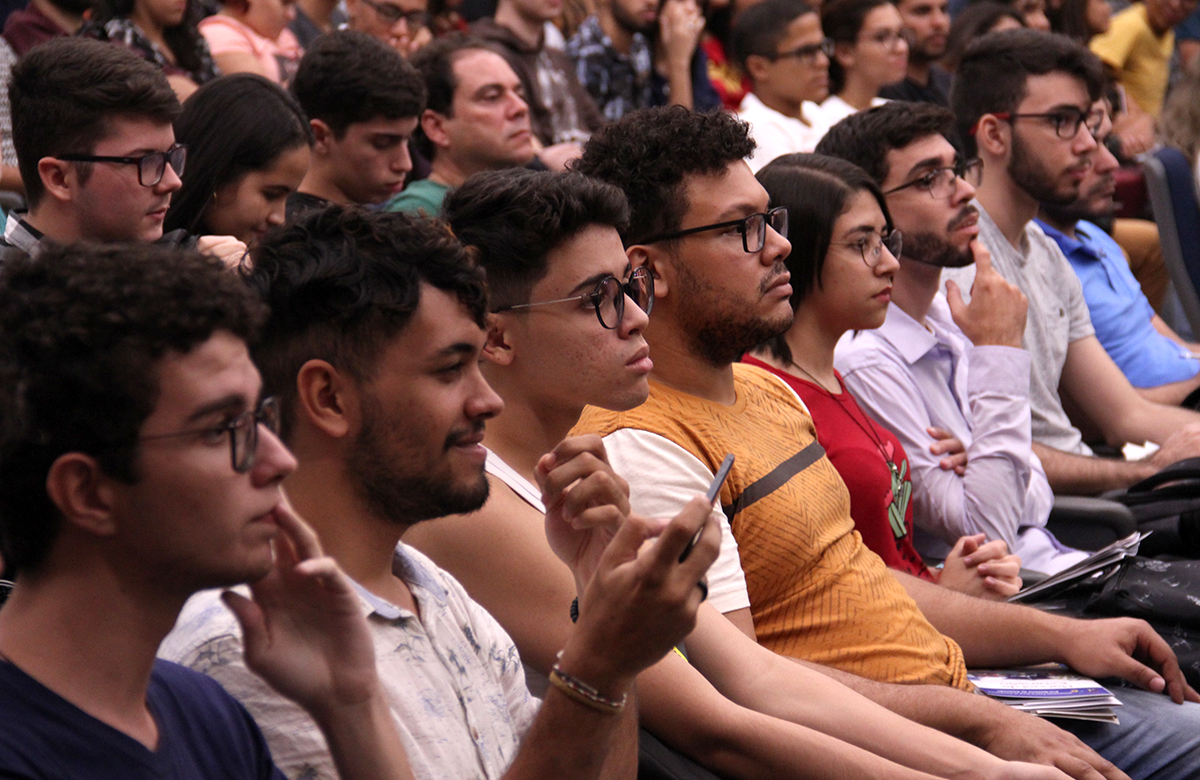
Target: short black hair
pixel 63 94
pixel 82 329
pixel 816 190
pixel 341 282
pixel 232 125
pixel 865 138
pixel 515 217
pixel 992 76
pixel 842 20
pixel 974 21
pixel 435 62
pixel 761 27
pixel 648 153
pixel 348 77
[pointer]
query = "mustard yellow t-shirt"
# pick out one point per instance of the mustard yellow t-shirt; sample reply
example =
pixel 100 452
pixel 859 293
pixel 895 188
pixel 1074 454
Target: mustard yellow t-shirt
pixel 1140 58
pixel 816 591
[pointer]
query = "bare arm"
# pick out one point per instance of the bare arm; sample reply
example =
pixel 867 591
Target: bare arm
pixel 239 62
pixel 1166 329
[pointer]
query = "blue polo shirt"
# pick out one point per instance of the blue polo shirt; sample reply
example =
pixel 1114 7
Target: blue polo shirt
pixel 1120 313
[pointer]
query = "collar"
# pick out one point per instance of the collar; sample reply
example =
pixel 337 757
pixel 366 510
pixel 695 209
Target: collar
pixel 910 338
pixel 1072 247
pixel 22 235
pixel 416 576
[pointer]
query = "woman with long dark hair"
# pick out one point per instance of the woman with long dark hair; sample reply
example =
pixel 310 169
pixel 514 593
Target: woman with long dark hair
pixel 163 32
pixel 843 259
pixel 247 151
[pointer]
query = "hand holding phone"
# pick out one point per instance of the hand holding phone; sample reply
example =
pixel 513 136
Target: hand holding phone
pixel 714 490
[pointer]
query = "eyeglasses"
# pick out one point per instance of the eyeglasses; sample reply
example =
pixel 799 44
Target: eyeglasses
pixel 1066 120
pixel 608 297
pixel 807 54
pixel 753 229
pixel 941 182
pixel 151 167
pixel 392 13
pixel 871 245
pixel 242 430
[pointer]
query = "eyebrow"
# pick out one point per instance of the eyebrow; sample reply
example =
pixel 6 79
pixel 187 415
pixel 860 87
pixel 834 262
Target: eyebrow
pixel 458 348
pixel 230 403
pixel 738 211
pixel 927 163
pixel 589 282
pixel 863 230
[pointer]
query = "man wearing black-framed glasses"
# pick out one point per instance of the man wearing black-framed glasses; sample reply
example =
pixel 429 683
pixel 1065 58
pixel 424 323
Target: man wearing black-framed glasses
pixel 779 44
pixel 97 150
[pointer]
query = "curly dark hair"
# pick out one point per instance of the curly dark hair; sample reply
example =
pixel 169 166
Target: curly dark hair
pixel 514 218
pixel 347 77
pixel 63 93
pixel 342 282
pixel 991 77
pixel 865 138
pixel 648 153
pixel 81 331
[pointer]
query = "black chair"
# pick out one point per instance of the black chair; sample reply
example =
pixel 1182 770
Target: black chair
pixel 1176 210
pixel 1089 523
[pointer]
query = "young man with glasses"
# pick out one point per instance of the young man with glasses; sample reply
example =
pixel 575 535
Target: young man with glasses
pixel 936 363
pixel 402 25
pixel 363 101
pixel 1025 102
pixel 374 348
pixel 141 468
pixel 779 44
pixel 812 591
pixel 97 151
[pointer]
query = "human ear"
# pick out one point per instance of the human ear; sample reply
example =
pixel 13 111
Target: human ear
pixel 326 399
pixel 59 177
pixel 641 255
pixel 992 136
pixel 844 54
pixel 433 125
pixel 498 347
pixel 82 492
pixel 758 67
pixel 322 136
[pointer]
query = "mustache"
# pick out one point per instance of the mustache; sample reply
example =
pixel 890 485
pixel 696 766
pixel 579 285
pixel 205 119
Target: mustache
pixel 1106 182
pixel 459 435
pixel 777 270
pixel 962 218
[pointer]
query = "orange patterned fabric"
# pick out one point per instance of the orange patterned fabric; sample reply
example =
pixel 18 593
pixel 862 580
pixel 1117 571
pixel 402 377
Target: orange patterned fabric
pixel 816 591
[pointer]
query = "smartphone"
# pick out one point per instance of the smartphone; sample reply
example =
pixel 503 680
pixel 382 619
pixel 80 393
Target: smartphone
pixel 713 490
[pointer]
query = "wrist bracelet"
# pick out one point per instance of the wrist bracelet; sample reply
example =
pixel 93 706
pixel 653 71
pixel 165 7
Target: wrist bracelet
pixel 585 694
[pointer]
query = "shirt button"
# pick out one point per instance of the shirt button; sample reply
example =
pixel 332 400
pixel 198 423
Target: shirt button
pixel 474 733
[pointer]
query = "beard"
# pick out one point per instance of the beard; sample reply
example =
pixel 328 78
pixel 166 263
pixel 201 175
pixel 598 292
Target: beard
pixel 1028 174
pixel 934 249
pixel 1089 205
pixel 722 331
pixel 648 29
pixel 394 486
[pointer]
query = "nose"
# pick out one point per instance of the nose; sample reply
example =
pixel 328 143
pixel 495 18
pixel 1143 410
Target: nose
pixel 483 403
pixel 1084 140
pixel 402 162
pixel 518 107
pixel 775 248
pixel 634 320
pixel 272 460
pixel 888 264
pixel 963 191
pixel 170 181
pixel 277 214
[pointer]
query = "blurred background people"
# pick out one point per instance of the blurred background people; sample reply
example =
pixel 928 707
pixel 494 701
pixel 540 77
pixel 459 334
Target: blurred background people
pixel 252 36
pixel 869 52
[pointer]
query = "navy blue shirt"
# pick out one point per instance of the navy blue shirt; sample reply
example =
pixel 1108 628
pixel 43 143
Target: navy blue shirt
pixel 203 734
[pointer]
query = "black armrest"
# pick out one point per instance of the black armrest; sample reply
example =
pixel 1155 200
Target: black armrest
pixel 1089 523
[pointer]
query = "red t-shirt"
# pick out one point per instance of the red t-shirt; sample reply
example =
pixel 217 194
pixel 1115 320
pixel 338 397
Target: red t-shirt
pixel 880 504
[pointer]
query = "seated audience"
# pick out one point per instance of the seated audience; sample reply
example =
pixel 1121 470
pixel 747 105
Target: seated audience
pixel 869 52
pixel 1137 49
pixel 363 101
pixel 728 79
pixel 1033 13
pixel 313 18
pixel 1024 102
pixel 732 705
pixel 92 125
pixel 252 36
pixel 630 55
pixel 164 34
pixel 142 467
pixel 401 24
pixel 815 592
pixel 1180 123
pixel 476 119
pixel 926 25
pixel 976 20
pixel 562 111
pixel 934 368
pixel 373 346
pixel 1156 361
pixel 1080 19
pixel 780 45
pixel 42 20
pixel 248 151
pixel 843 261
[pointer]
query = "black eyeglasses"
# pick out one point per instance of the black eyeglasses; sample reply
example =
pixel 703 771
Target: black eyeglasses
pixel 609 297
pixel 871 245
pixel 941 182
pixel 151 167
pixel 392 13
pixel 753 229
pixel 1066 120
pixel 807 54
pixel 242 431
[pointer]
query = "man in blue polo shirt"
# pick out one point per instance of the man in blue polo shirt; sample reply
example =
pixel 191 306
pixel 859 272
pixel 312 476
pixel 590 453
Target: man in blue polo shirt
pixel 1161 365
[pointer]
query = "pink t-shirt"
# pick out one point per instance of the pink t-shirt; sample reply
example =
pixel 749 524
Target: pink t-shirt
pixel 279 57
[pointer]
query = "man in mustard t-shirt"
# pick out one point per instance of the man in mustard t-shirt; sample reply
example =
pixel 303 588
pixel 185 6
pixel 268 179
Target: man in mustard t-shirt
pixel 1137 49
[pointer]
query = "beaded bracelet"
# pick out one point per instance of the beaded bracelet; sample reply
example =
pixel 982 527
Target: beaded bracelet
pixel 585 694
